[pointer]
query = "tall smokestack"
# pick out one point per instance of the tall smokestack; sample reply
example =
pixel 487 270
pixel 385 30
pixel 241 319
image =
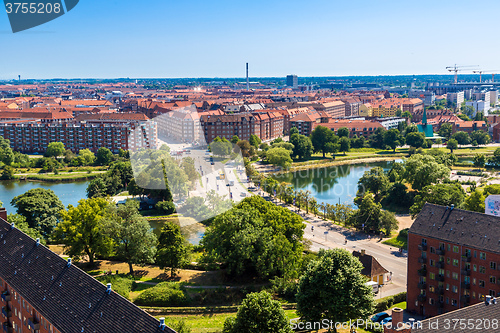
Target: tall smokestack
pixel 248 82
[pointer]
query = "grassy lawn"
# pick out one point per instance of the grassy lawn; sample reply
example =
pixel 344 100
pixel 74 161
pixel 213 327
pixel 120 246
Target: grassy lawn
pixel 401 305
pixel 61 177
pixel 211 323
pixel 398 241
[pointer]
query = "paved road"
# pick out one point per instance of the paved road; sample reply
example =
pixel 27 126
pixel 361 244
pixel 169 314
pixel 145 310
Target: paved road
pixel 388 257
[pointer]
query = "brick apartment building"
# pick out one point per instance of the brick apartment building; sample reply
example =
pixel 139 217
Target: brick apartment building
pixel 453 259
pixel 267 125
pixel 181 125
pixel 43 293
pixel 34 137
pixel 335 109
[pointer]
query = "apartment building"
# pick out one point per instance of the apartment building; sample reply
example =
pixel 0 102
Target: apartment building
pixel 181 125
pixel 34 137
pixel 351 107
pixel 267 125
pixel 428 97
pixel 456 98
pixel 335 109
pixel 43 293
pixel 356 127
pixel 453 259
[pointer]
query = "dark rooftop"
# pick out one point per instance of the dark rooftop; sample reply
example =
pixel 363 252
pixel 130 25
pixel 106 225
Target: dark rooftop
pixel 458 226
pixel 70 299
pixel 371 267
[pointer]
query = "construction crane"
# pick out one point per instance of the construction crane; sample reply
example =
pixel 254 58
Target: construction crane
pixel 492 71
pixel 457 69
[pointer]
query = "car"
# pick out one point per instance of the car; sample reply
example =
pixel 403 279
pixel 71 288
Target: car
pixel 379 317
pixel 243 194
pixel 386 320
pixel 212 163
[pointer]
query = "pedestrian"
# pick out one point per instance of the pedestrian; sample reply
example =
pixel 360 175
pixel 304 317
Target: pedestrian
pixel 369 237
pixel 312 228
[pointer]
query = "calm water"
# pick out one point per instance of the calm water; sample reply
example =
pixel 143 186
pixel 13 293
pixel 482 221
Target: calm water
pixel 332 184
pixel 68 193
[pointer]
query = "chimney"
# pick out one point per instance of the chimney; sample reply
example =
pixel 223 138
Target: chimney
pixel 487 300
pixel 248 82
pixel 363 252
pixel 397 317
pixel 69 262
pixel 37 241
pixel 108 288
pixel 162 323
pixel 3 214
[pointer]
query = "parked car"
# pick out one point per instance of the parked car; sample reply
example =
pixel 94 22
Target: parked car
pixel 386 320
pixel 379 317
pixel 374 285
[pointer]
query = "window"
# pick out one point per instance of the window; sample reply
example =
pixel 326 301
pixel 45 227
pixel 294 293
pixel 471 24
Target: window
pixel 455 249
pixel 447 273
pixel 493 279
pixel 492 293
pixel 447 286
pixel 431 262
pixel 454 289
pixel 474 294
pixel 432 276
pixel 431 301
pixel 475 254
pixel 455 262
pixel 454 302
pixel 432 289
pixel 482 255
pixel 448 260
pixel 493 265
pixel 474 268
pixel 482 269
pixel 454 276
pixel 432 250
pixel 481 283
pixel 449 247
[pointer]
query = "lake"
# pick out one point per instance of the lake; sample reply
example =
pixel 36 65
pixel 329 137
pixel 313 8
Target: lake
pixel 332 184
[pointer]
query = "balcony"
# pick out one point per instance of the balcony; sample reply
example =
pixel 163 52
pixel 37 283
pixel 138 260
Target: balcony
pixel 466 258
pixel 440 264
pixel 440 252
pixel 422 260
pixel 7 327
pixel 6 312
pixel 6 296
pixel 440 291
pixel 422 285
pixel 465 272
pixel 440 277
pixel 465 285
pixel 422 272
pixel 422 298
pixel 422 247
pixel 34 323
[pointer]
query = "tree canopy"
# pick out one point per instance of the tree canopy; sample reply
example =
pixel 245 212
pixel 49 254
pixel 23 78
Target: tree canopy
pixel 172 248
pixel 279 157
pixel 439 194
pixel 333 288
pixel 423 170
pixel 55 149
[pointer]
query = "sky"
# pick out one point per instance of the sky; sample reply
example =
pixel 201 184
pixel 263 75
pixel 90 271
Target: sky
pixel 192 38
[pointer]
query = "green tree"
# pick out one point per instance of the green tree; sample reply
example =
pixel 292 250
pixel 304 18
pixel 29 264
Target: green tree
pixel 245 148
pixel 87 155
pixel 452 145
pixel 81 230
pixel 343 132
pixel 134 241
pixel 55 149
pixel 104 156
pixel 392 138
pixel 411 129
pixel 279 157
pixel 221 147
pixel 165 207
pixel 196 208
pixel 481 137
pixel 333 288
pixel 479 160
pixel 377 138
pixel 462 138
pixel 7 173
pixel 256 237
pixel 320 136
pixel 41 208
pixel 21 224
pixel 235 139
pixel 344 144
pixel 258 313
pixel 415 139
pixel 371 217
pixel 423 170
pixel 475 201
pixel 7 155
pixel 439 194
pixel 446 130
pixel 172 248
pixel 407 115
pixel 495 159
pixel 255 140
pixel 303 147
pixel 375 181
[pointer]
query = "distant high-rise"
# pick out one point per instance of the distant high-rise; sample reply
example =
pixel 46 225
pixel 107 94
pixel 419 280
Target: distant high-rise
pixel 248 80
pixel 292 81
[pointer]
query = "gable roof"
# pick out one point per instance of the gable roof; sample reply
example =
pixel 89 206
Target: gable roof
pixel 458 226
pixel 66 296
pixel 371 266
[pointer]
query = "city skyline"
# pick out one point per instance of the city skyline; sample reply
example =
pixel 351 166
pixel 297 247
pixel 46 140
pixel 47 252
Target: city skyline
pixel 198 39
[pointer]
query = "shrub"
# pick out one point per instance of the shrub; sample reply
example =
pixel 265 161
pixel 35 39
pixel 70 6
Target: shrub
pixel 166 207
pixel 285 288
pixel 122 284
pixel 163 294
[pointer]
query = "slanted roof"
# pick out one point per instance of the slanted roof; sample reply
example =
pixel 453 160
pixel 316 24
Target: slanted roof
pixel 371 266
pixel 481 312
pixel 458 226
pixel 66 296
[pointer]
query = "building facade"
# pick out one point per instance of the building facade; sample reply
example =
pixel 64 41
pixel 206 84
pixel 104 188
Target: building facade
pixel 292 81
pixel 453 259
